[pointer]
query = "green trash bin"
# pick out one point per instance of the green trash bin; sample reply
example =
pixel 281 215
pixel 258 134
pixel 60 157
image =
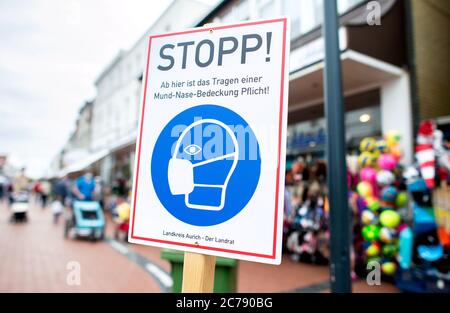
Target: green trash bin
pixel 224 276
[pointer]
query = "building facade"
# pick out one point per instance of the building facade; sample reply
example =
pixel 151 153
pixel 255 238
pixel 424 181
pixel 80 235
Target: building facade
pixel 394 65
pixel 375 69
pixel 116 109
pixel 77 150
pixel 429 23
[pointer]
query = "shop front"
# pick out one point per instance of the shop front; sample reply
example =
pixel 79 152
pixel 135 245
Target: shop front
pixel 307 130
pixel 376 83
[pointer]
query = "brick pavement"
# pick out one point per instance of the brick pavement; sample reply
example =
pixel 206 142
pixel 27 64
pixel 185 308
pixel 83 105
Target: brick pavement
pixel 33 258
pixel 287 277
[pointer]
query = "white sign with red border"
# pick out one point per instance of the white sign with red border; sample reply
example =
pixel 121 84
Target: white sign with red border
pixel 210 155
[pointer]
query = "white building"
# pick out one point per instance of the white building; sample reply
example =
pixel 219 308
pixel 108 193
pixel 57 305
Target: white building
pixel 76 153
pixel 116 109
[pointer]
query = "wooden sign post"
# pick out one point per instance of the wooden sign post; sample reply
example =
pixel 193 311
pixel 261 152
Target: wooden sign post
pixel 198 272
pixel 198 269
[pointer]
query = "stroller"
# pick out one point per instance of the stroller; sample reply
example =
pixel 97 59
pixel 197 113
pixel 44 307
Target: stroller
pixel 87 220
pixel 19 207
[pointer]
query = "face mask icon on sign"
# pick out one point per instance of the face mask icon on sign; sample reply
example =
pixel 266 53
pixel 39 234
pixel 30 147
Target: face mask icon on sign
pixel 185 177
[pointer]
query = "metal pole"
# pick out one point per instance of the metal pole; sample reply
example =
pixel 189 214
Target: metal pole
pixel 337 173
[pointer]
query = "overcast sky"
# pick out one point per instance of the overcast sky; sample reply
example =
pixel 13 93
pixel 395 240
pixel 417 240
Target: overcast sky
pixel 50 54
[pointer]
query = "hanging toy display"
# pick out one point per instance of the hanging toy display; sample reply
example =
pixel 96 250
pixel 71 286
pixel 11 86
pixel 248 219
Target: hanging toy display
pixel 366 159
pixel 425 153
pixel 380 221
pixel 371 232
pixel 385 178
pixel 372 203
pixel 401 216
pixel 364 189
pixel 424 261
pixel 387 162
pixel 389 194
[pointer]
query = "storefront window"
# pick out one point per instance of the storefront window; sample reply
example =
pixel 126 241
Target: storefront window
pixel 309 137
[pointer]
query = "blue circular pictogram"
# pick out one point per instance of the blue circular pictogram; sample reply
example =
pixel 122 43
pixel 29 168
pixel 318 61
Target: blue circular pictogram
pixel 206 165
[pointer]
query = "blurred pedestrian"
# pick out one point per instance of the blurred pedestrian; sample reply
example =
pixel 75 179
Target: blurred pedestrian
pixel 57 209
pixel 61 189
pixel 98 190
pixel 122 218
pixel 10 193
pixel 84 187
pixel 2 188
pixel 21 182
pixel 37 191
pixel 45 192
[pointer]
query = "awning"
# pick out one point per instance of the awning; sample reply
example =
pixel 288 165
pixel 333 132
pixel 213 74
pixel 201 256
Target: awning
pixel 124 142
pixel 83 164
pixel 97 156
pixel 360 73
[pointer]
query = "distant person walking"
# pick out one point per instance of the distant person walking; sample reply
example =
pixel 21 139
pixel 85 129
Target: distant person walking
pixel 45 192
pixel 3 182
pixel 37 191
pixel 61 190
pixel 21 182
pixel 9 193
pixel 57 209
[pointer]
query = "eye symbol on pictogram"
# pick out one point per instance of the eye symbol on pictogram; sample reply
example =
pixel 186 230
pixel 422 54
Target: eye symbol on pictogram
pixel 192 149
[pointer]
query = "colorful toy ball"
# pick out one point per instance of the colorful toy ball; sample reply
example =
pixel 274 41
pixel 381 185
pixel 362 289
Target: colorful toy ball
pixel 389 218
pixel 396 152
pixel 387 162
pixel 376 259
pixel 373 250
pixel 368 144
pixel 364 189
pixel 389 194
pixel 371 232
pixel 385 178
pixel 366 159
pixel 401 200
pixel 387 235
pixel 389 251
pixel 381 146
pixel 373 203
pixel 411 174
pixel 368 174
pixel 367 217
pixel 389 268
pixel 375 155
pixel 392 138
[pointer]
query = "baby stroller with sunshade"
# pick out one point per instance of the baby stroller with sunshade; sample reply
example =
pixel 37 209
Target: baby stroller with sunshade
pixel 87 220
pixel 19 206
